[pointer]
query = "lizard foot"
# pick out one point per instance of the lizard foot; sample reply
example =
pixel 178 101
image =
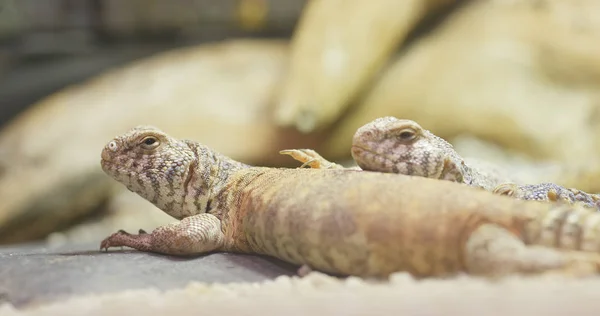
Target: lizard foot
pixel 125 239
pixel 311 158
pixel 508 189
pixel 191 236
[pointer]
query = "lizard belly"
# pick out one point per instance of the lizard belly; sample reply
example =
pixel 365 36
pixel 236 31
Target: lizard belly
pixel 356 223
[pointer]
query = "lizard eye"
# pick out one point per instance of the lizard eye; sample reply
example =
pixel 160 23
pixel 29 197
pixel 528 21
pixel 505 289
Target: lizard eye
pixel 149 142
pixel 407 134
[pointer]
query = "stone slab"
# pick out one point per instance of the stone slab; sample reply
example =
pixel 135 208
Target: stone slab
pixel 32 274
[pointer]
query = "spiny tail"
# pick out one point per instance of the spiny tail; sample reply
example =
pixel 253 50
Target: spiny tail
pixel 565 227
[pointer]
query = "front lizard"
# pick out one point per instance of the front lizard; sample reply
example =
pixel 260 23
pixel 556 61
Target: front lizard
pixel 342 221
pixel 393 145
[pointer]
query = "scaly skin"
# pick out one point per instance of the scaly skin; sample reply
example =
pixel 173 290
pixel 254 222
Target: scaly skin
pixel 548 192
pixel 48 184
pixel 342 221
pixel 393 145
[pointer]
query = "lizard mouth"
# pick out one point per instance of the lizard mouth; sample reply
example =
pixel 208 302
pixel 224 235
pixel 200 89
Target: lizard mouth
pixel 105 161
pixel 103 164
pixel 364 157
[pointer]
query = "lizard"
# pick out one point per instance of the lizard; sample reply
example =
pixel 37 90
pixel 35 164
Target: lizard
pixel 50 185
pixel 540 122
pixel 389 144
pixel 340 221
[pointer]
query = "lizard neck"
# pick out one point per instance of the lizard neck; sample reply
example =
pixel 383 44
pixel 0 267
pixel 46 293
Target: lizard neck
pixel 454 168
pixel 209 174
pixel 468 173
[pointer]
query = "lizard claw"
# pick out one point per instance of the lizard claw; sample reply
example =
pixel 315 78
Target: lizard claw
pixel 113 240
pixel 309 163
pixel 310 158
pixel 507 189
pixel 141 241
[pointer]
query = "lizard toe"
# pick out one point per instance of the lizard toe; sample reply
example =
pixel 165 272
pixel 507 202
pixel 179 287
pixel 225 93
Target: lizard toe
pixel 114 240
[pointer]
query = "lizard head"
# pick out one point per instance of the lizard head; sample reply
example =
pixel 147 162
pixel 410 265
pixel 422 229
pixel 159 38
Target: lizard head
pixel 152 164
pixel 392 145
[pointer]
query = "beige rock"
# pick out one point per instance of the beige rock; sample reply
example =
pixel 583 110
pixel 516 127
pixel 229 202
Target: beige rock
pixel 522 74
pixel 217 94
pixel 337 48
pixel 317 294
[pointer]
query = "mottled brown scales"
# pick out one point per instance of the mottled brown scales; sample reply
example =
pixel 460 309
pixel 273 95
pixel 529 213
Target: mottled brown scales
pixel 393 145
pixel 342 221
pixel 548 192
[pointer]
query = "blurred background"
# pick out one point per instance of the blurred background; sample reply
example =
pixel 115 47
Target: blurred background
pixel 515 83
pixel 48 44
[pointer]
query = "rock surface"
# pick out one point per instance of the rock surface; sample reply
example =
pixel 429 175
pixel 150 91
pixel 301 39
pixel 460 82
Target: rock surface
pixel 217 94
pixel 521 74
pixel 33 274
pixel 317 294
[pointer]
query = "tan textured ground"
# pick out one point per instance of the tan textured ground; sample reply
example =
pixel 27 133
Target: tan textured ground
pixel 546 295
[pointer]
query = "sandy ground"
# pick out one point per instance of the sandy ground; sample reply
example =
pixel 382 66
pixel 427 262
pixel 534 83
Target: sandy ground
pixel 317 293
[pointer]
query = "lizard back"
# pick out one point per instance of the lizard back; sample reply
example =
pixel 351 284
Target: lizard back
pixel 362 223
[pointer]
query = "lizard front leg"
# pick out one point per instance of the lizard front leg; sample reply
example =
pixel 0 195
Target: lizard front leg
pixel 311 158
pixel 191 236
pixel 494 250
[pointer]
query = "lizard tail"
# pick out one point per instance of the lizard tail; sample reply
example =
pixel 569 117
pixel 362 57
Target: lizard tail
pixel 571 227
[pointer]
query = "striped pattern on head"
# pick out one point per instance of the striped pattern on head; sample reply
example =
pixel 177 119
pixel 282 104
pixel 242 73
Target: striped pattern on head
pixel 392 145
pixel 154 165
